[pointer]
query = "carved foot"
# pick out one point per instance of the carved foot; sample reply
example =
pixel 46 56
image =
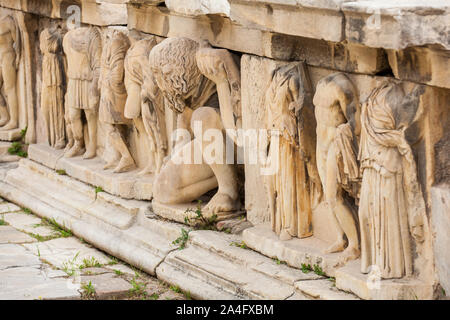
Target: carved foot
pixel 284 235
pixel 75 151
pixel 90 153
pixel 110 165
pixel 3 121
pixel 221 202
pixel 4 116
pixel 68 146
pixel 350 253
pixel 10 126
pixel 59 145
pixel 335 247
pixel 125 164
pixel 147 170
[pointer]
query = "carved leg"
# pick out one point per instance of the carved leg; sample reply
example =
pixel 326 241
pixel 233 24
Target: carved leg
pixel 141 129
pixel 126 162
pixel 347 223
pixel 331 194
pixel 77 149
pixel 91 150
pixel 69 131
pixel 226 199
pixel 9 86
pixel 182 183
pixel 114 161
pixel 4 115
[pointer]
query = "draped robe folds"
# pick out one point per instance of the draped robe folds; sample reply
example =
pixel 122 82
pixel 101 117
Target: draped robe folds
pixel 391 199
pixel 114 94
pixel 52 97
pixel 292 186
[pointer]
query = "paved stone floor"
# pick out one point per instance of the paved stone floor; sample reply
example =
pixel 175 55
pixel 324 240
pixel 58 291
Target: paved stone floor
pixel 39 259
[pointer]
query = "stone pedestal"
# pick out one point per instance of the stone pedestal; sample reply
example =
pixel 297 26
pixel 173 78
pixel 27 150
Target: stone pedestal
pixel 128 185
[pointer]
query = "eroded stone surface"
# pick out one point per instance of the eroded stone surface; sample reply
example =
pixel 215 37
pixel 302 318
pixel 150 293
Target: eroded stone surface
pixel 31 283
pixel 322 290
pixel 107 285
pixel 29 224
pixel 67 252
pixel 10 235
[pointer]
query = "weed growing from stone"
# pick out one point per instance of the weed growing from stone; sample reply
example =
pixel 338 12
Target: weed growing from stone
pixel 241 244
pixel 3 222
pixel 182 240
pixel 90 263
pixel 118 272
pixel 278 261
pixel 69 266
pixel 199 221
pixel 98 190
pixel 138 288
pixel 17 146
pixel 88 290
pixel 61 172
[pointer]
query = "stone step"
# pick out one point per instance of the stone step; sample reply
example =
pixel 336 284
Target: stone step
pixel 127 185
pixel 296 252
pixel 322 289
pixel 214 265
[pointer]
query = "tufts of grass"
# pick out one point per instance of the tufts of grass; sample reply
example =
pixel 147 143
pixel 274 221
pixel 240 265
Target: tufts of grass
pixel 154 296
pixel 90 263
pixel 69 266
pixel 61 231
pixel 138 289
pixel 113 261
pixel 177 289
pixel 88 291
pixel 118 272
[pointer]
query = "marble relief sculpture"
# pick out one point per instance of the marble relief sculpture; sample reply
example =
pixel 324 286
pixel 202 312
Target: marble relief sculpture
pixel 145 104
pixel 295 188
pixel 83 49
pixel 189 74
pixel 113 98
pixel 337 113
pixel 53 87
pixel 10 48
pixel 392 209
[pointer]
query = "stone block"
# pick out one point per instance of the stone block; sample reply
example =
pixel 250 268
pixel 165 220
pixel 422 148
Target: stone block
pixel 10 135
pixel 128 185
pixel 29 223
pixel 108 286
pixel 10 235
pixel 247 38
pixel 31 283
pixel 67 252
pixel 440 224
pixel 350 279
pixel 421 64
pixel 322 290
pixel 295 252
pixel 397 24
